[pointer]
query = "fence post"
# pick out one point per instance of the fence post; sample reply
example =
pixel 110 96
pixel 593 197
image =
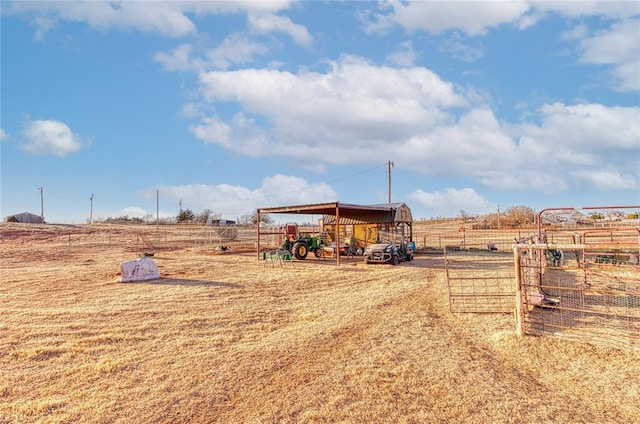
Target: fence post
pixel 519 298
pixel 446 276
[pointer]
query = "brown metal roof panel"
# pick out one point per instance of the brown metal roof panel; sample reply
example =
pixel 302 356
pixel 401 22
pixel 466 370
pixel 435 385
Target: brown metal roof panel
pixel 323 208
pixel 371 217
pixel 401 211
pixel 395 205
pixel 317 208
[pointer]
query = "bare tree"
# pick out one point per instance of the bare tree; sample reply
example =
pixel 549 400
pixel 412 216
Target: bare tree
pixel 247 219
pixel 464 215
pixel 207 216
pixel 520 215
pixel 265 218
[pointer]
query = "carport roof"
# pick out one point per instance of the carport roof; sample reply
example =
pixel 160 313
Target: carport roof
pixel 349 211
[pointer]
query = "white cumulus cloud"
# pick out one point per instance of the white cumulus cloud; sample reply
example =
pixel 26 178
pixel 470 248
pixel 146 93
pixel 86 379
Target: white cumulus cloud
pixel 233 201
pixel 470 17
pixel 609 179
pixel 619 48
pixel 405 55
pixel 269 22
pixel 234 50
pixel 50 137
pixel 168 18
pixel 344 114
pixel 179 59
pixel 450 201
pixel 356 112
pixel 476 18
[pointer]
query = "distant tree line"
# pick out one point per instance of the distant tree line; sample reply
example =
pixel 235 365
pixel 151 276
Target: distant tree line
pixel 187 216
pixel 208 217
pixel 514 217
pixel 524 216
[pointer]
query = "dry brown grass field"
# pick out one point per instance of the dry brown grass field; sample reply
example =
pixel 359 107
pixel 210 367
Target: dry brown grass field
pixel 224 338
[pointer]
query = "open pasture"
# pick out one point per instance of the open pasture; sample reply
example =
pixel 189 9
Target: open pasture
pixel 226 338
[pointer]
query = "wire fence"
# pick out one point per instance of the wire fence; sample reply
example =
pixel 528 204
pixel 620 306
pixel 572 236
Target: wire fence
pixel 589 300
pixel 143 236
pixel 480 282
pixel 583 292
pixel 583 283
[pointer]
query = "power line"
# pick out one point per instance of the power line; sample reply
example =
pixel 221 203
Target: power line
pixel 314 185
pixel 345 177
pixel 304 189
pixel 356 174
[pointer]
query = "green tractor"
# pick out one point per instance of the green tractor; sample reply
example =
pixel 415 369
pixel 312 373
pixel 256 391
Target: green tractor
pixel 301 244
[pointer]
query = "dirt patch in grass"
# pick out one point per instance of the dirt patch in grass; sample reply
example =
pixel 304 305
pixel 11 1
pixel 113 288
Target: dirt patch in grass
pixel 226 338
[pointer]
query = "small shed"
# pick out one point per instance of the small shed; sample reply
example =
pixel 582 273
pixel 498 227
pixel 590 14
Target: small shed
pixel 382 213
pixel 25 217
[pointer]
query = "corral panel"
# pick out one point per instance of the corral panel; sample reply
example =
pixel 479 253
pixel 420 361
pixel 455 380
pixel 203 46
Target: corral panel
pixel 480 282
pixel 594 301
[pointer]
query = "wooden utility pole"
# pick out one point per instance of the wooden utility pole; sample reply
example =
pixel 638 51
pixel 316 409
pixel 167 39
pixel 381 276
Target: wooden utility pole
pixel 157 210
pixel 42 204
pixel 389 166
pixel 91 210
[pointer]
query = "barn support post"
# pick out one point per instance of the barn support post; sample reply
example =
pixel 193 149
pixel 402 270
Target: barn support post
pixel 337 235
pixel 258 233
pixel 519 310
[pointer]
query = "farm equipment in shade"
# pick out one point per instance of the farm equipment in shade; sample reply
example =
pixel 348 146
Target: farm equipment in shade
pixel 389 253
pixel 301 244
pixel 394 249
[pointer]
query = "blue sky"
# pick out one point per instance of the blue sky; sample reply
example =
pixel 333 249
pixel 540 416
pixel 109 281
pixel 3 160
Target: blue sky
pixel 233 106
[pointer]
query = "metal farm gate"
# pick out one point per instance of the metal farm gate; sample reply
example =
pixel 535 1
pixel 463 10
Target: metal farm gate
pixel 588 292
pixel 480 282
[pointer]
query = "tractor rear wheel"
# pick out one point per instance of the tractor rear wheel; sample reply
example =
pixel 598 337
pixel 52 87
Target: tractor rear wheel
pixel 300 250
